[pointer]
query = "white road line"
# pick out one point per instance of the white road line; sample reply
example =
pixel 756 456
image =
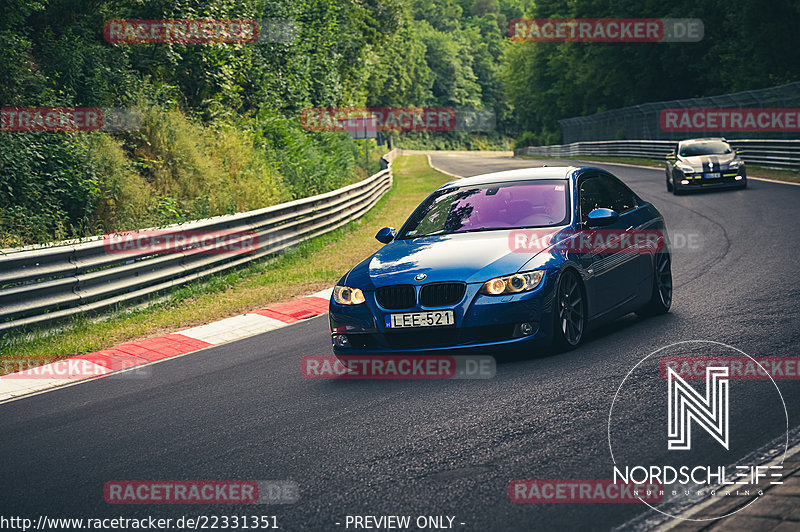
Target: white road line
pixel 14 386
pixel 232 328
pixel 323 294
pixel 445 172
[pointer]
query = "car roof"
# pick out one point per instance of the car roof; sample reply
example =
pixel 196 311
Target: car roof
pixel 522 174
pixel 704 139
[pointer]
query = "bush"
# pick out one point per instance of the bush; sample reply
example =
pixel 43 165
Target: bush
pixel 310 162
pixel 452 140
pixel 173 169
pixel 49 188
pixel 528 138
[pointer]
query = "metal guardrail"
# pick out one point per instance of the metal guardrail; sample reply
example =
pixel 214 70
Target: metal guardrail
pixel 771 153
pixel 42 284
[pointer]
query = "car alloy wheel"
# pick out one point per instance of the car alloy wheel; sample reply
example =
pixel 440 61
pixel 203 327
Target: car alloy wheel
pixel 571 316
pixel 663 275
pixel 661 298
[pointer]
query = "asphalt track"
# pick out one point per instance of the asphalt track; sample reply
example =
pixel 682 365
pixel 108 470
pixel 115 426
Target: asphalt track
pixel 243 411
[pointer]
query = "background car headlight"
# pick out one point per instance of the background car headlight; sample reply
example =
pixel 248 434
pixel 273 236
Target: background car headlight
pixel 511 284
pixel 344 295
pixel 735 165
pixel 685 168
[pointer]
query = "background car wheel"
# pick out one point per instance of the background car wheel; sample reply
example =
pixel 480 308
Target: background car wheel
pixel 675 190
pixel 744 182
pixel 661 298
pixel 669 184
pixel 570 314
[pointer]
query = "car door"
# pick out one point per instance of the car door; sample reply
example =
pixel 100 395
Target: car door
pixel 615 270
pixel 636 219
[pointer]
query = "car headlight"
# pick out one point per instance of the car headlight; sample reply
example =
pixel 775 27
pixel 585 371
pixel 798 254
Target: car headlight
pixel 735 165
pixel 344 295
pixel 511 284
pixel 685 168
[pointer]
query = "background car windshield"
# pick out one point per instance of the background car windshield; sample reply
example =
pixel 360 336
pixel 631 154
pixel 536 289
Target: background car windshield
pixel 706 148
pixel 491 206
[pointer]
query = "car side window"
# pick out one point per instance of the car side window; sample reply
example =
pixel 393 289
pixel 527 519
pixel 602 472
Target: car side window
pixel 590 196
pixel 602 191
pixel 619 196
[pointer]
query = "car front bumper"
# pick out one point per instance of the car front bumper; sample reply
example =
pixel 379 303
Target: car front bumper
pixel 728 179
pixel 482 323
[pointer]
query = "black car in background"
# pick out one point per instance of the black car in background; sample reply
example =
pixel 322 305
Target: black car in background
pixel 704 163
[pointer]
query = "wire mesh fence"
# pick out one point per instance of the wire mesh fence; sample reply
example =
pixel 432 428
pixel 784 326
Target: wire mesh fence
pixel 646 121
pixel 782 154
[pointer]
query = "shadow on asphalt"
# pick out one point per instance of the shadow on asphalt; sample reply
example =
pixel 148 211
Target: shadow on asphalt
pixel 620 324
pixel 509 360
pixel 705 191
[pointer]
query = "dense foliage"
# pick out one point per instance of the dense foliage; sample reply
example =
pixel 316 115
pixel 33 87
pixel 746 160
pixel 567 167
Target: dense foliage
pixel 221 130
pixel 747 45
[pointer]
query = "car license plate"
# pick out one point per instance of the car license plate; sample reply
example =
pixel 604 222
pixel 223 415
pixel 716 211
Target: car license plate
pixel 713 175
pixel 434 318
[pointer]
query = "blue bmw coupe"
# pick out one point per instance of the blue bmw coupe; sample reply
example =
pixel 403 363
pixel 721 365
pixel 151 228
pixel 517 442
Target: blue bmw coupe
pixel 514 260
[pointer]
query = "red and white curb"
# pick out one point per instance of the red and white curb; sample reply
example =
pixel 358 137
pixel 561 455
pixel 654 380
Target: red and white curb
pixel 126 356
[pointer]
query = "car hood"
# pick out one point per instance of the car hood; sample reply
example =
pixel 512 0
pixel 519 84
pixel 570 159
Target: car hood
pixel 709 162
pixel 470 257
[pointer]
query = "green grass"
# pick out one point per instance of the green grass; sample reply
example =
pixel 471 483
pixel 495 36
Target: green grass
pixel 312 266
pixel 753 170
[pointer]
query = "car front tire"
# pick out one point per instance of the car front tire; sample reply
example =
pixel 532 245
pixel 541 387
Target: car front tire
pixel 676 188
pixel 570 312
pixel 661 297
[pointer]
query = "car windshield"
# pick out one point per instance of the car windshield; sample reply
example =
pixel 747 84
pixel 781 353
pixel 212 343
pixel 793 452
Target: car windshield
pixel 705 148
pixel 541 203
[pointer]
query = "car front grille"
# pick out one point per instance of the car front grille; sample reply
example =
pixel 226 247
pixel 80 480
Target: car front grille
pixel 441 294
pixel 397 296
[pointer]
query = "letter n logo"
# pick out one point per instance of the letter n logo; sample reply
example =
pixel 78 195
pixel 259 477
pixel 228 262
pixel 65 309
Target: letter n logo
pixel 685 404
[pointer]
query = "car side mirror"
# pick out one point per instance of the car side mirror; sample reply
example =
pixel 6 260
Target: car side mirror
pixel 671 157
pixel 601 217
pixel 385 235
pixel 739 152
